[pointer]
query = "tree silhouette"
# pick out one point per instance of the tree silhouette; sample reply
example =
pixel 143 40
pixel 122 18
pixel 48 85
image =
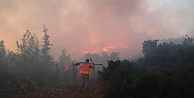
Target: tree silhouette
pixel 46 47
pixel 149 47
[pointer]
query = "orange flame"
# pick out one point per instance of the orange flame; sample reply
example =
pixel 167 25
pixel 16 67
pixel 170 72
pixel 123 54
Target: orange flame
pixel 108 48
pixel 105 49
pixel 85 52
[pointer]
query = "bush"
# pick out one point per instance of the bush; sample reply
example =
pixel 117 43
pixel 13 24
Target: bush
pixel 124 79
pixel 116 79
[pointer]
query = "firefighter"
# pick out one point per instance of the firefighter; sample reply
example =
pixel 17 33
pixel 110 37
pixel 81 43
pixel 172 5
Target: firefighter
pixel 85 71
pixel 65 70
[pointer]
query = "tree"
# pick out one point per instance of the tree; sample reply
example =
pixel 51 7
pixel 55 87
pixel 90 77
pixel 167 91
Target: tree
pixel 116 79
pixel 64 59
pixel 149 47
pixel 12 60
pixel 2 51
pixel 188 41
pixel 114 56
pixel 3 62
pixel 46 47
pixel 29 57
pixel 29 44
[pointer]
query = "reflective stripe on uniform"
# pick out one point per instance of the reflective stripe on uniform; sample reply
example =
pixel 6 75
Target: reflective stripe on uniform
pixel 85 69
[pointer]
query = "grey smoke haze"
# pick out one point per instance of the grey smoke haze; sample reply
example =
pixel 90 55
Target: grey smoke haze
pixel 91 25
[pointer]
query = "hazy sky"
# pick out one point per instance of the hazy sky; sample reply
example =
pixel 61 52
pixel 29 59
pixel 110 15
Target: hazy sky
pixel 94 25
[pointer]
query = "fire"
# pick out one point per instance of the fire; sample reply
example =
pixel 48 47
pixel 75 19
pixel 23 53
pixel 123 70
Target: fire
pixel 108 48
pixel 105 49
pixel 126 46
pixel 85 52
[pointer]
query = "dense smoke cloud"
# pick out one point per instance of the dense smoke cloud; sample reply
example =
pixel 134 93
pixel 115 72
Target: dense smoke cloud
pixel 92 25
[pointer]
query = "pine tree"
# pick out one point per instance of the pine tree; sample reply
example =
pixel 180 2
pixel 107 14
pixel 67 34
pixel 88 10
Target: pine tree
pixel 64 59
pixel 3 62
pixel 46 47
pixel 29 57
pixel 2 51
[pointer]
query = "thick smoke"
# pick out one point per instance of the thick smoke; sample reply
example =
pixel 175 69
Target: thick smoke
pixel 91 25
